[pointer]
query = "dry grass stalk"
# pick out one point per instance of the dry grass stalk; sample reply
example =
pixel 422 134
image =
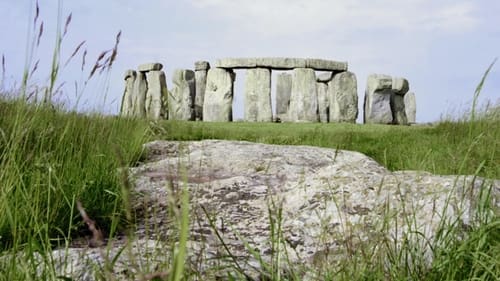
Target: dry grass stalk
pixel 97 236
pixel 75 52
pixel 66 25
pixel 40 33
pixel 37 13
pixel 35 67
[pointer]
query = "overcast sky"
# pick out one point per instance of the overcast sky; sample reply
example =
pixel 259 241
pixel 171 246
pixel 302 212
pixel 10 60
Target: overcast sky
pixel 442 47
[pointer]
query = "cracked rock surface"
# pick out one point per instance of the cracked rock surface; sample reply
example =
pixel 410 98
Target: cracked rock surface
pixel 315 204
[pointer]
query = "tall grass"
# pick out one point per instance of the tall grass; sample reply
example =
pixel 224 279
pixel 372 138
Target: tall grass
pixel 49 159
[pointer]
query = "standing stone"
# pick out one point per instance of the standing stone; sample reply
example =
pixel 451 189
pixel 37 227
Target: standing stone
pixel 377 102
pixel 304 98
pixel 323 102
pixel 218 104
pixel 156 95
pixel 258 95
pixel 410 107
pixel 343 96
pixel 181 98
pixel 400 87
pixel 128 95
pixel 201 68
pixel 140 90
pixel 283 92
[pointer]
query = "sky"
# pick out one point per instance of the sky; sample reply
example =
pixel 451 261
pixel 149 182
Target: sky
pixel 443 47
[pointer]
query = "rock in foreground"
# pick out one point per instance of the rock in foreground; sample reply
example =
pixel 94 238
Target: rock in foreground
pixel 328 204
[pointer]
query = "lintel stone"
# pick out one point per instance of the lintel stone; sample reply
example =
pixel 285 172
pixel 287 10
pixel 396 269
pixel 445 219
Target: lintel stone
pixel 281 63
pixel 155 66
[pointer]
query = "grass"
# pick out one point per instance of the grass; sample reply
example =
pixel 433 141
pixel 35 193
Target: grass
pixel 444 148
pixel 51 160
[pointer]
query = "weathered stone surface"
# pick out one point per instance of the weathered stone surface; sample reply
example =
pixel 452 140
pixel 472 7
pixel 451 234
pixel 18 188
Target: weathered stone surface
pixel 218 104
pixel 378 99
pixel 304 97
pixel 150 67
pixel 156 96
pixel 332 203
pixel 410 107
pixel 281 63
pixel 323 102
pixel 181 97
pixel 201 65
pixel 283 92
pixel 140 90
pixel 400 86
pixel 343 97
pixel 324 77
pixel 236 63
pixel 258 95
pixel 200 74
pixel 127 106
pixel 326 65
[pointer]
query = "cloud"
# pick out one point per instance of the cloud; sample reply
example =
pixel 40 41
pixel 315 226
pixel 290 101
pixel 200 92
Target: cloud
pixel 284 17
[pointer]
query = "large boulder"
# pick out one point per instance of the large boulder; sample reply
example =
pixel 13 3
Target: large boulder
pixel 283 93
pixel 320 205
pixel 258 106
pixel 181 97
pixel 410 107
pixel 201 69
pixel 127 106
pixel 323 102
pixel 377 103
pixel 304 96
pixel 218 104
pixel 343 97
pixel 156 95
pixel 140 90
pixel 400 87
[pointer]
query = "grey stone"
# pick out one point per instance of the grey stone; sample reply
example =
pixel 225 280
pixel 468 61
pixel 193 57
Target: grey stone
pixel 324 77
pixel 410 107
pixel 140 90
pixel 236 63
pixel 283 92
pixel 322 200
pixel 155 66
pixel 200 74
pixel 400 86
pixel 398 110
pixel 326 65
pixel 258 95
pixel 127 108
pixel 218 104
pixel 377 102
pixel 343 96
pixel 181 97
pixel 156 96
pixel 281 63
pixel 201 65
pixel 304 97
pixel 323 102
